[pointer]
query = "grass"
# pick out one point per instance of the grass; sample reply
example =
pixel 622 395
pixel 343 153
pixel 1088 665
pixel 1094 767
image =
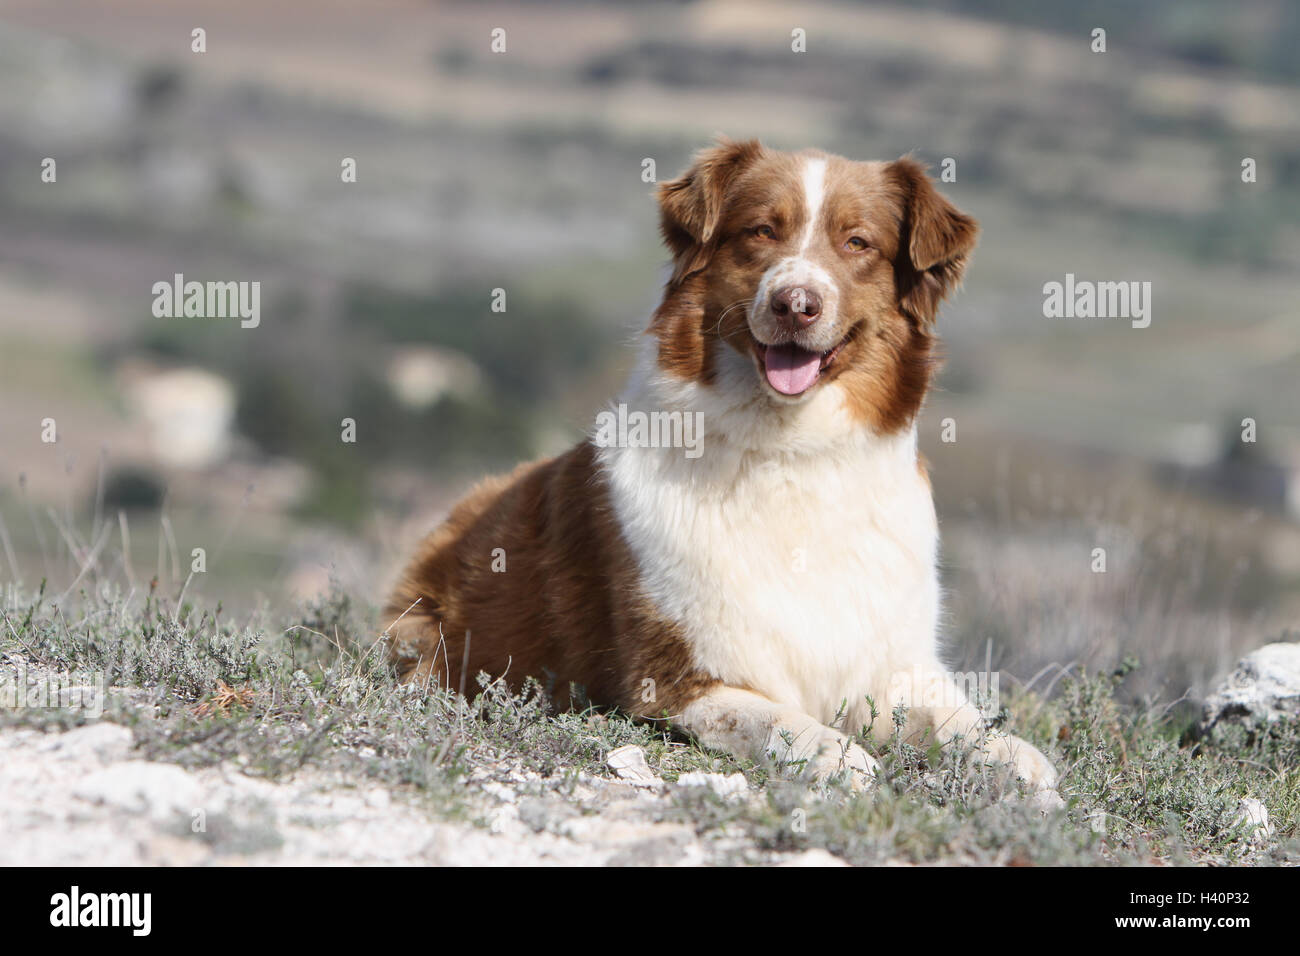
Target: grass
pixel 199 689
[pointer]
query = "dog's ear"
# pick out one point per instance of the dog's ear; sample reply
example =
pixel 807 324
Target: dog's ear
pixel 935 242
pixel 691 205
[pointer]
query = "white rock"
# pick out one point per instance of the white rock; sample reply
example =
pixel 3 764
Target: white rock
pixel 629 764
pixel 103 742
pixel 137 786
pixel 189 412
pixel 502 792
pixel 504 819
pixel 732 786
pixel 1264 686
pixel 1253 815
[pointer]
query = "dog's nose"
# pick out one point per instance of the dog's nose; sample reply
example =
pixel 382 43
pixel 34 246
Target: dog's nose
pixel 796 304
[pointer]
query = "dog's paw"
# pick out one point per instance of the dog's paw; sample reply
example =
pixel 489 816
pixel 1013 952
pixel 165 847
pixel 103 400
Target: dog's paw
pixel 1027 760
pixel 838 757
pixel 819 754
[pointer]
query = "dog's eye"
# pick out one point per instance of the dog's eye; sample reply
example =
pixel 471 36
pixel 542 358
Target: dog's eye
pixel 765 232
pixel 857 244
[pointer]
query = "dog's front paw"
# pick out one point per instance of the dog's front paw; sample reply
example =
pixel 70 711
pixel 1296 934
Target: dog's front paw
pixel 819 753
pixel 837 756
pixel 1027 760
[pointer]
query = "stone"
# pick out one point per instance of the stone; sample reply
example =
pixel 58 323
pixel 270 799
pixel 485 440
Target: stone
pixel 100 742
pixel 1262 688
pixel 730 787
pixel 137 786
pixel 629 764
pixel 1252 817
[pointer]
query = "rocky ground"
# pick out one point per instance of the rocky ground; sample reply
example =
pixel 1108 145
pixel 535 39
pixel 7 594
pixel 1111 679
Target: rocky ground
pixel 83 798
pixel 231 744
pixel 86 796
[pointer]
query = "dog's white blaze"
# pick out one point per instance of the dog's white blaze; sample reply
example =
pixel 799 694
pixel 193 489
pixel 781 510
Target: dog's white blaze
pixel 814 193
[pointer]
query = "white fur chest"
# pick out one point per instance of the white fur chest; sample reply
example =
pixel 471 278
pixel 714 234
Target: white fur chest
pixel 797 552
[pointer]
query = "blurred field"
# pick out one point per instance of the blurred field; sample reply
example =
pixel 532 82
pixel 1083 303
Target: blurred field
pixel 521 171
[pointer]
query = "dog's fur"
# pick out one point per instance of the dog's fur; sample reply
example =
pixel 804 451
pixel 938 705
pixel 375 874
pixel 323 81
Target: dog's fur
pixel 764 595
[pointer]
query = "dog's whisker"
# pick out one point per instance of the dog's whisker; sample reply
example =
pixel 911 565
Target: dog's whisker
pixel 717 326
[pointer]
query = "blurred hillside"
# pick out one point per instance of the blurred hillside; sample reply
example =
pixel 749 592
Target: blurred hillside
pixel 521 171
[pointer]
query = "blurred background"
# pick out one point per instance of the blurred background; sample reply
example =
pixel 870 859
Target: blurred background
pixel 522 170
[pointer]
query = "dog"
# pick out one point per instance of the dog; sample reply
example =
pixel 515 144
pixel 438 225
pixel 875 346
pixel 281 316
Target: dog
pixel 777 591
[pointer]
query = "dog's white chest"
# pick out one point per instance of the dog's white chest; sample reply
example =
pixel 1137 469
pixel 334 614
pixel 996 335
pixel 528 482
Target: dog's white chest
pixel 809 579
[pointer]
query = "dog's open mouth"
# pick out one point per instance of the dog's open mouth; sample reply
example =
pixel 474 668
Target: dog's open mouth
pixel 792 370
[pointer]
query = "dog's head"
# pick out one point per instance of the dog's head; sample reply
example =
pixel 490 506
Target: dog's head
pixel 821 271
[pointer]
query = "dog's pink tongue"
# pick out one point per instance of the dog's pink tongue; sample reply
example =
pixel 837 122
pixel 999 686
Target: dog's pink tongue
pixel 790 369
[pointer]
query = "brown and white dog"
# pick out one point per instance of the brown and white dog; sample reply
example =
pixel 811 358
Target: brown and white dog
pixel 768 592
